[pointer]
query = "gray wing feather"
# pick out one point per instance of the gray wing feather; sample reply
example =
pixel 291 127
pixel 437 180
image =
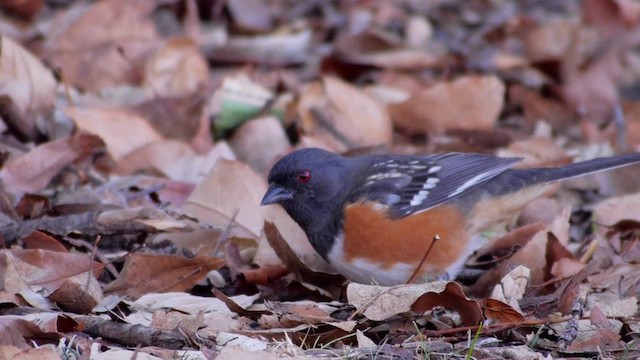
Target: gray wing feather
pixel 413 184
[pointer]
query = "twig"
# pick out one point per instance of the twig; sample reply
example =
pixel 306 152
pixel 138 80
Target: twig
pixel 424 258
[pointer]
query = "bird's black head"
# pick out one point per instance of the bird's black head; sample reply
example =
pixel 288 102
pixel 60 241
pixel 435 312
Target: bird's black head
pixel 311 185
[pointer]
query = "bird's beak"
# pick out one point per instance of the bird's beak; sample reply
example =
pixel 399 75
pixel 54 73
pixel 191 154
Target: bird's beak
pixel 276 194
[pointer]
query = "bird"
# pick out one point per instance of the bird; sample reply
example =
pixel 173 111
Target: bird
pixel 375 217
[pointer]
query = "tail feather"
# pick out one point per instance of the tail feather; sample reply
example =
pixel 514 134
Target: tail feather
pixel 591 166
pixel 514 180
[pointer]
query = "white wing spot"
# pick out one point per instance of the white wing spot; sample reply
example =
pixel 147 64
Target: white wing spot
pixel 434 169
pixel 384 175
pixel 419 198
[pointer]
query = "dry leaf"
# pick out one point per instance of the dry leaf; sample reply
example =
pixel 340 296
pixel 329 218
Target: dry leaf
pixel 343 116
pixel 103 44
pixel 34 170
pixel 470 102
pixel 145 273
pixel 66 278
pixel 28 88
pixel 379 303
pixel 121 130
pixel 174 159
pixel 452 298
pixel 266 134
pixel 231 190
pixel 178 69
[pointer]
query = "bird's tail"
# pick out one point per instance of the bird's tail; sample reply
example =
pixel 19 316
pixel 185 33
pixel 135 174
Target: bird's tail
pixel 590 167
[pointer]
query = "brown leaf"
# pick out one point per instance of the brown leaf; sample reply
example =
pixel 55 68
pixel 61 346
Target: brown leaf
pixel 379 303
pixel 44 241
pixel 451 298
pixel 343 116
pixel 231 190
pixel 470 102
pixel 174 159
pixel 28 88
pixel 64 276
pixel 145 273
pixel 15 332
pixel 33 171
pixel 177 69
pixel 266 134
pixel 103 44
pixel 500 312
pixel 121 130
pixel 233 306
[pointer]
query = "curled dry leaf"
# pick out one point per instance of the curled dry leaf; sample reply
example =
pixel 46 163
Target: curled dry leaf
pixel 452 297
pixel 539 254
pixel 103 44
pixel 379 303
pixel 121 130
pixel 177 69
pixel 34 170
pixel 15 331
pixel 66 278
pixel 145 273
pixel 500 312
pixel 469 102
pixel 343 116
pixel 28 87
pixel 512 287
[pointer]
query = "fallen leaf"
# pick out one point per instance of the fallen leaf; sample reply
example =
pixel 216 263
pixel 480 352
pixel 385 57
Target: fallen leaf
pixel 66 278
pixel 265 133
pixel 231 190
pixel 469 102
pixel 512 287
pixel 103 44
pixel 145 273
pixel 34 170
pixel 177 69
pixel 27 87
pixel 174 159
pixel 452 298
pixel 379 303
pixel 121 130
pixel 343 116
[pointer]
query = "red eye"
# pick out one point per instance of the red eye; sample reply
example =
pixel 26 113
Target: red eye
pixel 304 176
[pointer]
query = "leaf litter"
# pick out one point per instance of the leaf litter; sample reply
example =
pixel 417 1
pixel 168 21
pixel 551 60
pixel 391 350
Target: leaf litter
pixel 136 138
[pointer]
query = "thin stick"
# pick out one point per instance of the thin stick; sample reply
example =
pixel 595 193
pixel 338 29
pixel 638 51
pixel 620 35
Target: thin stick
pixel 424 258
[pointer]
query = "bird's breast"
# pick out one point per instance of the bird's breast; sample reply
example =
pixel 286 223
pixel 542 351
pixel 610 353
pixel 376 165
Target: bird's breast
pixel 373 248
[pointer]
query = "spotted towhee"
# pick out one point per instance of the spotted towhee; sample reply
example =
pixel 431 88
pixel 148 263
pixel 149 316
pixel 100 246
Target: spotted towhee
pixel 375 217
